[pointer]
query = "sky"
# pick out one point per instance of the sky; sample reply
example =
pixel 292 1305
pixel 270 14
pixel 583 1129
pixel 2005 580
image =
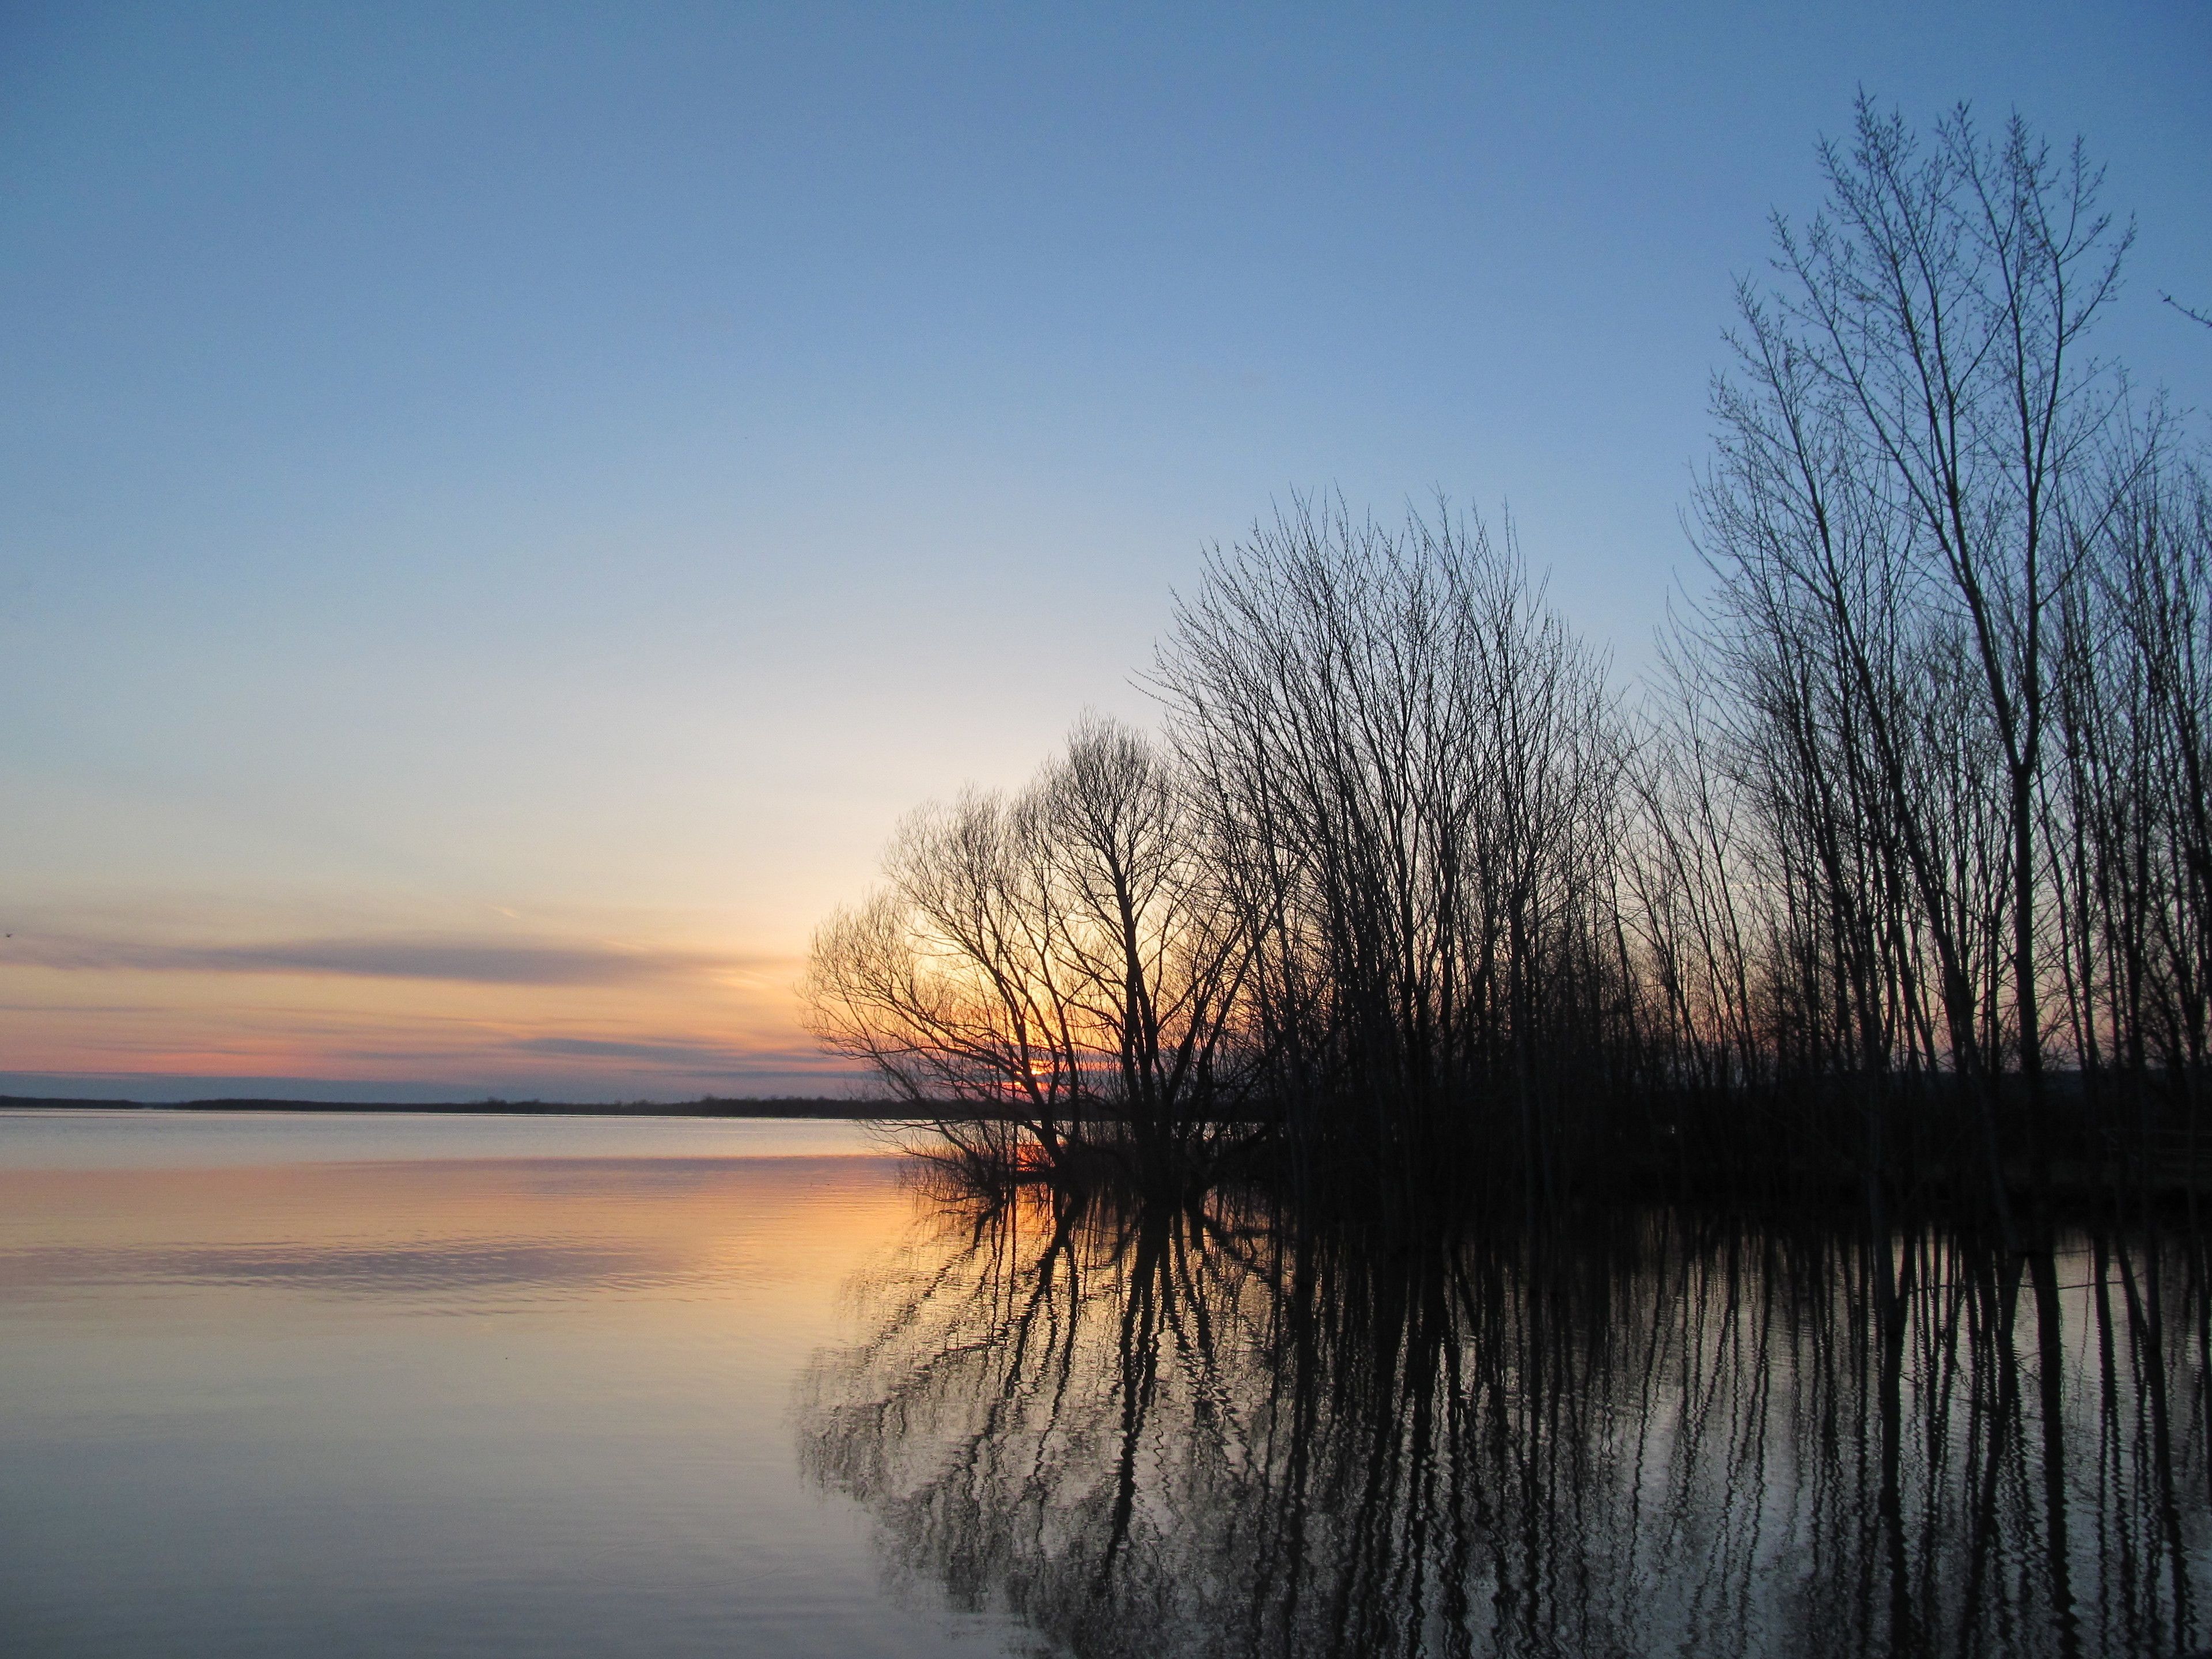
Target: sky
pixel 503 508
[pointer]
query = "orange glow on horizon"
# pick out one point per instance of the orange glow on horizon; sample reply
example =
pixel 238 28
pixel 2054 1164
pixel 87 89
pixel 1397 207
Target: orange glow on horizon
pixel 692 1030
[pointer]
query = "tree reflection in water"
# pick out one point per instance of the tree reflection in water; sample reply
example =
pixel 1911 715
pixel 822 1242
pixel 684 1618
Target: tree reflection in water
pixel 1168 1431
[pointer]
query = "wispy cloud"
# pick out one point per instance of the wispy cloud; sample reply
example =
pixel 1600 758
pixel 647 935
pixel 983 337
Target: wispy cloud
pixel 467 959
pixel 678 1056
pixel 700 1056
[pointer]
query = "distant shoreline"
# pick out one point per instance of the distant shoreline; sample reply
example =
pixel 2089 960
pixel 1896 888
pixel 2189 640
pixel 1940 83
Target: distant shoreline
pixel 776 1107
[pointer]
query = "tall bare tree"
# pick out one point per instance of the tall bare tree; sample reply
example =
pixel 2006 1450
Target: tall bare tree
pixel 1410 770
pixel 1912 413
pixel 1922 799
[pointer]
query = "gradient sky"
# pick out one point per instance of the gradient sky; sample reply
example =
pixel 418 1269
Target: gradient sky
pixel 502 508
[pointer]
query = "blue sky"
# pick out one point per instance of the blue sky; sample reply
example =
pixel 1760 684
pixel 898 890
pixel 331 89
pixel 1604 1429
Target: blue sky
pixel 489 490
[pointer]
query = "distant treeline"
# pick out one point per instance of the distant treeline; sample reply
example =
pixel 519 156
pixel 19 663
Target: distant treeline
pixel 1898 876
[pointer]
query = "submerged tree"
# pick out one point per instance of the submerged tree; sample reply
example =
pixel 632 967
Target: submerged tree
pixel 2129 824
pixel 1917 810
pixel 1911 430
pixel 1061 964
pixel 1408 769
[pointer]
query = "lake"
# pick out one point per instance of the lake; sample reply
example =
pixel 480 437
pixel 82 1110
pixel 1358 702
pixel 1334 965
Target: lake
pixel 346 1384
pixel 372 1385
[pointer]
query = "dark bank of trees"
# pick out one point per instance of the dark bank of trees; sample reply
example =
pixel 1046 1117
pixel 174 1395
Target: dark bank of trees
pixel 1901 874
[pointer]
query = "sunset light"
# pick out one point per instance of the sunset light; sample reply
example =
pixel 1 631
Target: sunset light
pixel 1121 832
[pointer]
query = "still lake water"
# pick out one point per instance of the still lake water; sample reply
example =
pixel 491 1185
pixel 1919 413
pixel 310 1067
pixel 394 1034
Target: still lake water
pixel 375 1385
pixel 276 1385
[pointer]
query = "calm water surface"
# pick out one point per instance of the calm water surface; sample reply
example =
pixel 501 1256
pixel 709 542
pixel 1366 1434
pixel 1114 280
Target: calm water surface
pixel 395 1385
pixel 1216 1430
pixel 306 1384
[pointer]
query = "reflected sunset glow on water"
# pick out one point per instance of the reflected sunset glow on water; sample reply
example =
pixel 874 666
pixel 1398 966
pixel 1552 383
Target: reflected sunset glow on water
pixel 277 1384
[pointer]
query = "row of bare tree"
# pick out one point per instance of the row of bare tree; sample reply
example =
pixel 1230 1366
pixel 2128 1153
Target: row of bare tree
pixel 1903 867
pixel 1928 798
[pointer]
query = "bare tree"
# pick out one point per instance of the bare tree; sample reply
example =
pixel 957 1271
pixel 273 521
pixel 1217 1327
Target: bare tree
pixel 2128 820
pixel 1911 411
pixel 1409 770
pixel 1919 801
pixel 1062 961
